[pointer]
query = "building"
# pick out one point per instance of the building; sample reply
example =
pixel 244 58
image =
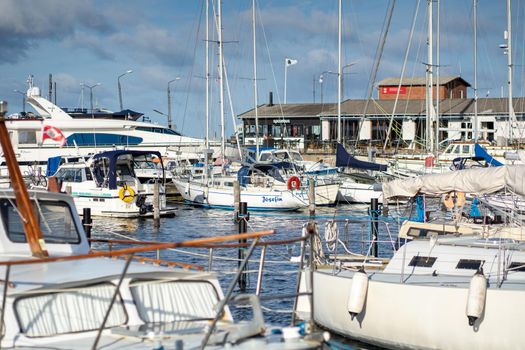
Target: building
pixel 450 87
pixel 313 125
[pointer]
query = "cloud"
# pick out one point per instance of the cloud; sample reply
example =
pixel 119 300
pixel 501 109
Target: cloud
pixel 24 23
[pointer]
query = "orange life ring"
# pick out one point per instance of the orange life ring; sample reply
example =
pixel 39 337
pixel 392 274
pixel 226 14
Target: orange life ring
pixel 294 183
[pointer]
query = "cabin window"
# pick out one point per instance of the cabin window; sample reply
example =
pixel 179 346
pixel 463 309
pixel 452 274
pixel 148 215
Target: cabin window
pixel 69 311
pixel 457 149
pixel 89 177
pixel 469 264
pixel 517 266
pixel 265 156
pixel 420 232
pixel 422 261
pixel 99 139
pixel 180 300
pixel 26 137
pixel 55 218
pixel 70 175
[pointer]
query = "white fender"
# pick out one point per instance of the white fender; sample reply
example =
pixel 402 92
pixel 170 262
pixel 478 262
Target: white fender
pixel 187 189
pixel 358 291
pixel 477 293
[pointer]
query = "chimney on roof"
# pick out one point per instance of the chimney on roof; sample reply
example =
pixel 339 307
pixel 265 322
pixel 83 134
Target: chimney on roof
pixel 270 99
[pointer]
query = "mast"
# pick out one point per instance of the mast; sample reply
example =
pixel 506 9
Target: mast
pixel 23 202
pixel 430 85
pixel 255 102
pixel 221 79
pixel 509 63
pixel 339 72
pixel 438 85
pixel 475 121
pixel 207 81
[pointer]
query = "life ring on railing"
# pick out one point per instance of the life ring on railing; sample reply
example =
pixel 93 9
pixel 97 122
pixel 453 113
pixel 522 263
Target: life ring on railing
pixel 454 198
pixel 126 193
pixel 294 183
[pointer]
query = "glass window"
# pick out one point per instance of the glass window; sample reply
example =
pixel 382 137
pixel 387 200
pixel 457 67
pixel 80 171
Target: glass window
pixel 92 139
pixel 466 149
pixel 422 261
pixel 26 137
pixel 469 264
pixel 55 218
pixel 517 266
pixel 457 149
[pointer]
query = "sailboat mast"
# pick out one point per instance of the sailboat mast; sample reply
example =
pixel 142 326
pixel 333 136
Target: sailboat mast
pixel 438 85
pixel 430 85
pixel 221 79
pixel 475 121
pixel 207 77
pixel 339 72
pixel 509 63
pixel 255 102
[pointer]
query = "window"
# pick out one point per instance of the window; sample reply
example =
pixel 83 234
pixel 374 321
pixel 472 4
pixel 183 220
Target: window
pixel 422 261
pixel 92 139
pixel 70 174
pixel 420 232
pixel 469 264
pixel 466 149
pixel 26 137
pixel 517 266
pixel 55 218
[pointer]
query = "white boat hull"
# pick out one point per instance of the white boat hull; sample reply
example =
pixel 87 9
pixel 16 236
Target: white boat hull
pixel 419 316
pixel 354 192
pixel 256 198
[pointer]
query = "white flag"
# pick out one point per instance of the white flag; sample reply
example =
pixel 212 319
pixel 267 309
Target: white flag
pixel 290 62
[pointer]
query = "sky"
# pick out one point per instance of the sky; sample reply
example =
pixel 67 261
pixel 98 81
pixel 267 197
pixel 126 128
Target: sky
pixel 95 41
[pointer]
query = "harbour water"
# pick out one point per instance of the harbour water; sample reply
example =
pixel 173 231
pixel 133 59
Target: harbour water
pixel 280 274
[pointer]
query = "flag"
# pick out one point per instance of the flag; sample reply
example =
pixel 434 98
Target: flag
pixel 53 133
pixel 290 61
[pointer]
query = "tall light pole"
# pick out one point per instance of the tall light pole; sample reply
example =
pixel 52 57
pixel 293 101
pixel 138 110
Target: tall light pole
pixel 287 62
pixel 90 87
pixel 321 81
pixel 120 87
pixel 343 77
pixel 23 99
pixel 169 101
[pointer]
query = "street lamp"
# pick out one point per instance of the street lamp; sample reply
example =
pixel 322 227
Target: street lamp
pixel 169 101
pixel 120 88
pixel 343 77
pixel 321 80
pixel 23 100
pixel 162 113
pixel 287 62
pixel 90 87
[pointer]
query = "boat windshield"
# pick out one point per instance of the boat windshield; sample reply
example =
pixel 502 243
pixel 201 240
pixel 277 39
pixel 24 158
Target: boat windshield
pixel 297 156
pixel 55 218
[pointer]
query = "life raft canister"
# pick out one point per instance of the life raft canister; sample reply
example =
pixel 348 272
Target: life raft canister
pixel 294 183
pixel 126 193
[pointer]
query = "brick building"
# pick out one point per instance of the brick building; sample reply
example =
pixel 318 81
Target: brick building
pixel 415 88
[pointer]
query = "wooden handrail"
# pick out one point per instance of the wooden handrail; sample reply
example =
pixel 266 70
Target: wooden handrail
pixel 126 251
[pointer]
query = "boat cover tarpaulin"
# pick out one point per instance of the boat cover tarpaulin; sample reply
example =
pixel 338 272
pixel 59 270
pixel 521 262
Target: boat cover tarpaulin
pixel 344 159
pixel 476 181
pixel 481 152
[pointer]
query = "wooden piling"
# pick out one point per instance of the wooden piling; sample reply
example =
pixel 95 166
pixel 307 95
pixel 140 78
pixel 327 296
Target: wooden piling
pixel 156 204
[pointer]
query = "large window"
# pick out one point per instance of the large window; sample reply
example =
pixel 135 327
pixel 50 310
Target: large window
pixel 26 137
pixel 55 218
pixel 92 139
pixel 70 174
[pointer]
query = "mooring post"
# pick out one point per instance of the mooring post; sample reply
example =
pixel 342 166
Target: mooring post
pixel 311 197
pixel 156 204
pixel 242 219
pixel 374 213
pixel 87 222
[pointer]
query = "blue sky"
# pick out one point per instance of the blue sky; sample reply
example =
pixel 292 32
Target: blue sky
pixel 94 41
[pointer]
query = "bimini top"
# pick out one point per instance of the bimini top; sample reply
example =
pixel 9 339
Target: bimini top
pixel 476 181
pixel 344 159
pixel 113 157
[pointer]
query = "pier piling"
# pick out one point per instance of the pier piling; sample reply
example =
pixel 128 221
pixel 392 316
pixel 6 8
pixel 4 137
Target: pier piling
pixel 242 218
pixel 87 222
pixel 374 225
pixel 156 204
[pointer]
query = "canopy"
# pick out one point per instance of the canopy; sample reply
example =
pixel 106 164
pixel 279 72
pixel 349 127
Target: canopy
pixel 344 159
pixel 481 152
pixel 112 156
pixel 475 181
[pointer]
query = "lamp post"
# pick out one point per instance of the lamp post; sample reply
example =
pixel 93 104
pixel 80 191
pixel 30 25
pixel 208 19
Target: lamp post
pixel 321 81
pixel 162 113
pixel 169 101
pixel 287 62
pixel 120 87
pixel 343 77
pixel 23 100
pixel 90 87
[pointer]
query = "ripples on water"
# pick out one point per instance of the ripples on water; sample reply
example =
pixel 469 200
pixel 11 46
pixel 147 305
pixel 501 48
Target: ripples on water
pixel 280 274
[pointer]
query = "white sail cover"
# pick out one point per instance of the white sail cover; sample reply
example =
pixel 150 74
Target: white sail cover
pixel 476 181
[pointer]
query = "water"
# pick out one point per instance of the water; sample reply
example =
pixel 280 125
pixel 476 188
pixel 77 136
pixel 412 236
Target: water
pixel 280 275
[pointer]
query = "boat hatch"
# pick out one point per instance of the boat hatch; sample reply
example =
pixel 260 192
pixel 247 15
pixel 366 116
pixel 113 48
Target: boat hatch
pixel 422 261
pixel 469 264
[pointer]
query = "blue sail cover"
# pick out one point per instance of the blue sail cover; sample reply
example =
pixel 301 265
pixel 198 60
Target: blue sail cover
pixel 344 159
pixel 481 152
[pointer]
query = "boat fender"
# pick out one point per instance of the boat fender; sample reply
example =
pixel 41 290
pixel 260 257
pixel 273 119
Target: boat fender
pixel 294 183
pixel 477 293
pixel 358 291
pixel 126 193
pixel 187 189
